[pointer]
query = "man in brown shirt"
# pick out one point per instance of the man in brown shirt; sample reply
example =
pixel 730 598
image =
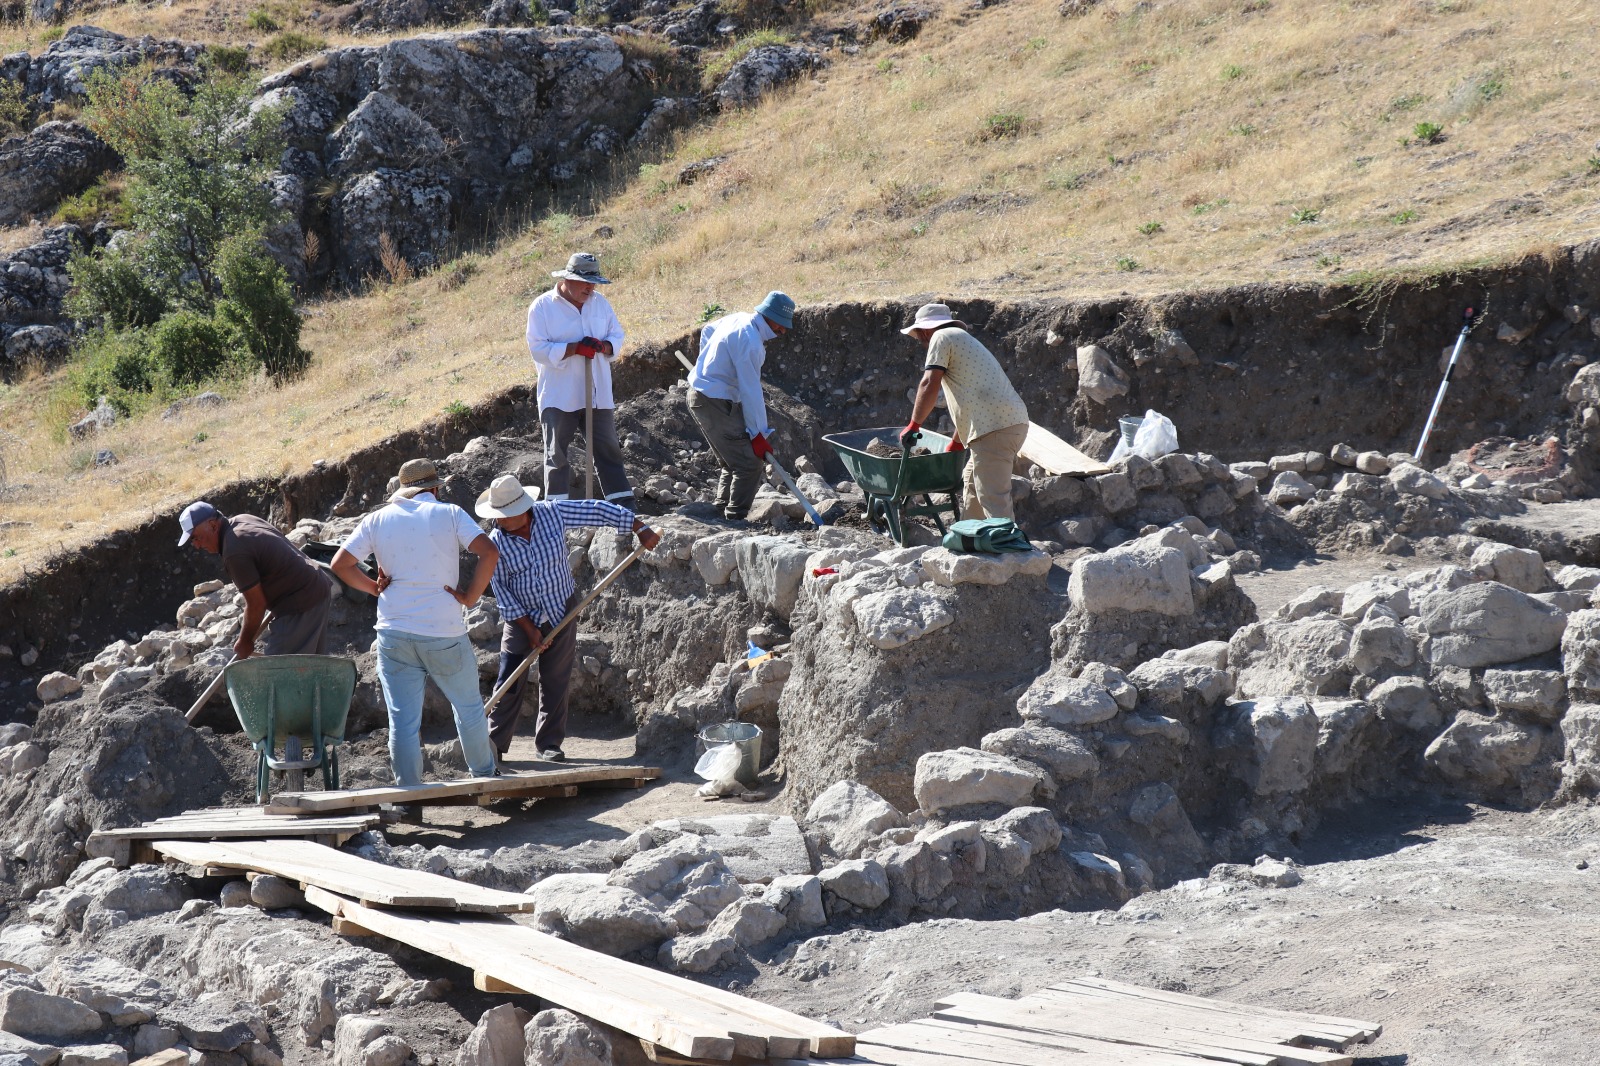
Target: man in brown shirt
pixel 273 575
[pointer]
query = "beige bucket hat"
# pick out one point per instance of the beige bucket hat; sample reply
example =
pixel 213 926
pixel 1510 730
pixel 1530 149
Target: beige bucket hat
pixel 417 475
pixel 506 497
pixel 931 316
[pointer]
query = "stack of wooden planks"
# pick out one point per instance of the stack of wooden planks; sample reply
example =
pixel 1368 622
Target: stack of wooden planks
pixel 129 845
pixel 534 784
pixel 680 1016
pixel 1092 1022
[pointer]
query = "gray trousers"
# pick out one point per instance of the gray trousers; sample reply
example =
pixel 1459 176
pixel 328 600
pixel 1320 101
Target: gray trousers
pixel 604 453
pixel 305 633
pixel 722 422
pixel 555 681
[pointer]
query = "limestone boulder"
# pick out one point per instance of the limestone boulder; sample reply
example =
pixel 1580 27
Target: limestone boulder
pixel 497 1039
pixel 950 568
pixel 1520 568
pixel 799 899
pixel 1415 481
pixel 1580 735
pixel 1407 702
pixel 560 1038
pixel 1056 698
pixel 1538 694
pixel 1580 654
pixel 124 995
pixel 37 1015
pixel 1309 657
pixel 1063 755
pixel 1482 753
pixel 1099 379
pixel 861 883
pixel 964 777
pixel 1488 624
pixel 761 70
pixel 893 618
pixel 748 921
pixel 1133 578
pixel 1345 734
pixel 771 569
pixel 585 909
pixel 1275 743
pixel 849 816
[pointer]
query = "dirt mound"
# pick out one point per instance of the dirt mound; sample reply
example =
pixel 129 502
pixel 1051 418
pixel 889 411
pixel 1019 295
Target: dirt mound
pixel 109 766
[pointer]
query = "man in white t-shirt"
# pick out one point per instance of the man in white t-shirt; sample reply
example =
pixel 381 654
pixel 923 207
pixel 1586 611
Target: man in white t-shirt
pixel 418 541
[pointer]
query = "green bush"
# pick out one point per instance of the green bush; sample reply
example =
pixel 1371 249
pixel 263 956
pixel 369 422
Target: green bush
pixel 116 365
pixel 292 44
pixel 262 22
pixel 188 347
pixel 113 289
pixel 228 58
pixel 258 305
pixel 1427 132
pixel 102 200
pixel 13 109
pixel 1002 124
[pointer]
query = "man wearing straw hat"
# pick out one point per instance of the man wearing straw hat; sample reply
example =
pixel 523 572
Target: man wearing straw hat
pixel 418 542
pixel 990 418
pixel 573 334
pixel 534 590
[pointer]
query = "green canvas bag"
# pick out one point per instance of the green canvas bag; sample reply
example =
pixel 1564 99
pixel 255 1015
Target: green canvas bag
pixel 992 535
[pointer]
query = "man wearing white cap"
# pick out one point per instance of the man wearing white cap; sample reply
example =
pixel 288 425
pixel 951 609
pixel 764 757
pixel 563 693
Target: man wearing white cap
pixel 534 590
pixel 990 418
pixel 272 574
pixel 417 541
pixel 725 397
pixel 572 332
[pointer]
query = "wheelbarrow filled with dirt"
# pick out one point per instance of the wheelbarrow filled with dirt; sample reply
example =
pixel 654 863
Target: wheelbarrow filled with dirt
pixel 299 702
pixel 894 478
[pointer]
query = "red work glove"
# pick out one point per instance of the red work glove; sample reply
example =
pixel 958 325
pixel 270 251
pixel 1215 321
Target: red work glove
pixel 909 435
pixel 585 349
pixel 760 446
pixel 597 344
pixel 955 445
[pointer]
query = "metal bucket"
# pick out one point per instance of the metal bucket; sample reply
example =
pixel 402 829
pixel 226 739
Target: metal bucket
pixel 1129 424
pixel 742 735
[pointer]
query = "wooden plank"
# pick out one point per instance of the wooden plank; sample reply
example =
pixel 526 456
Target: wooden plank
pixel 687 1018
pixel 371 883
pixel 1114 1041
pixel 1277 1030
pixel 1274 1029
pixel 472 786
pixel 262 827
pixel 1152 1029
pixel 1032 1023
pixel 346 927
pixel 484 983
pixel 1367 1031
pixel 1045 449
pixel 998 1046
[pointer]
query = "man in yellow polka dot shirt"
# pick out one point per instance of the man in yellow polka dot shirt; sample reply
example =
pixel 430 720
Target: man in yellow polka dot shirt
pixel 989 416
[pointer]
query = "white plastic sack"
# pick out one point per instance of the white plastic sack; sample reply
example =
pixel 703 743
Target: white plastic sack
pixel 719 768
pixel 1157 436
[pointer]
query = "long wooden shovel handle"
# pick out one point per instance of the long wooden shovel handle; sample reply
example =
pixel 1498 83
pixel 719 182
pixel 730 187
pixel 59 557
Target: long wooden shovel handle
pixel 494 700
pixel 588 426
pixel 216 683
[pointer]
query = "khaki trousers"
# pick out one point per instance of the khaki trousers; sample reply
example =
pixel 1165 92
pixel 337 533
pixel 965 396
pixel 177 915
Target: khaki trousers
pixel 987 477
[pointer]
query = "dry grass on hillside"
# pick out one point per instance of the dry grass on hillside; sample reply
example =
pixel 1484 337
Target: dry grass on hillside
pixel 1002 153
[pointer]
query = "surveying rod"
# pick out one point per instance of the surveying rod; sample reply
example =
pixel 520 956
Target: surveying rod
pixel 1438 401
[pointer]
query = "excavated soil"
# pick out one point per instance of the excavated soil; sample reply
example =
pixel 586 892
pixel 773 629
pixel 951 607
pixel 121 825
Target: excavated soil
pixel 1466 931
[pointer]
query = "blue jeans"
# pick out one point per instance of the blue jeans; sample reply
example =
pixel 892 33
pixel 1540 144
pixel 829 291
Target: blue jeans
pixel 405 662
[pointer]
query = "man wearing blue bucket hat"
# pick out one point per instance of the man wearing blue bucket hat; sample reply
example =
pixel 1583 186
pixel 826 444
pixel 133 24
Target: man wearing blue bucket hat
pixel 725 397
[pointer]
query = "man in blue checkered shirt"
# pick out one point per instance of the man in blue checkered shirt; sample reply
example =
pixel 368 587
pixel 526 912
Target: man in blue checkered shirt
pixel 534 590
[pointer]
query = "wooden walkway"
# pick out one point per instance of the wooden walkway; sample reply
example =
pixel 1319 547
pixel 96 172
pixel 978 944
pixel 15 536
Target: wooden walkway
pixel 1092 1022
pixel 530 785
pixel 369 883
pixel 131 845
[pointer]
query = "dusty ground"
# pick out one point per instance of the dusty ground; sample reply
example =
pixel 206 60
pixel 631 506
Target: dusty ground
pixel 1466 931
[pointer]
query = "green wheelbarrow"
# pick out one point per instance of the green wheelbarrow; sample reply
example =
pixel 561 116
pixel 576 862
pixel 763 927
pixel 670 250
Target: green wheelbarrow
pixel 298 701
pixel 892 485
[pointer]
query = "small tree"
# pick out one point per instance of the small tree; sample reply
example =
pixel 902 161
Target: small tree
pixel 193 278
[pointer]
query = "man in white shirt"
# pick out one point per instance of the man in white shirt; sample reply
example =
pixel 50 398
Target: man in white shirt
pixel 417 541
pixel 725 397
pixel 572 332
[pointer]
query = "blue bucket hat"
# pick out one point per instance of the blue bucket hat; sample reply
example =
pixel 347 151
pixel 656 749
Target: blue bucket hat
pixel 777 307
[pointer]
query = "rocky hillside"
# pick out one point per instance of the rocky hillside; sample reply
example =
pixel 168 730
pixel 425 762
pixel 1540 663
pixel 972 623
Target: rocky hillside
pixel 709 152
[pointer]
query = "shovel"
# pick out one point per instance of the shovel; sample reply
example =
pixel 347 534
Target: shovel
pixel 588 427
pixel 572 615
pixel 216 683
